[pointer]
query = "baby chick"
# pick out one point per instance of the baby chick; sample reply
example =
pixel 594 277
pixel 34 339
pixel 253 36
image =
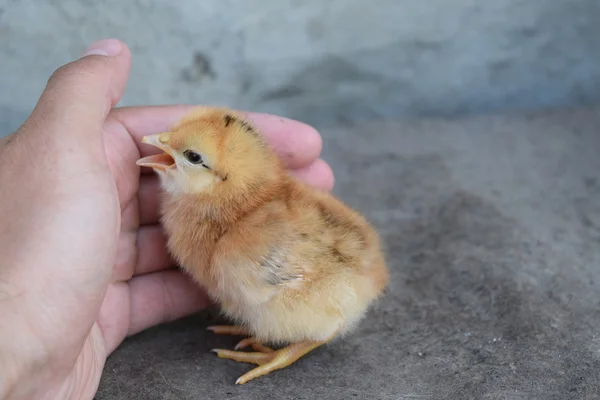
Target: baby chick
pixel 289 264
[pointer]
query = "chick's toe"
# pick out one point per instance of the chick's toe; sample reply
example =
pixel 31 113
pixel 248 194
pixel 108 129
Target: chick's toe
pixel 228 330
pixel 257 358
pixel 255 344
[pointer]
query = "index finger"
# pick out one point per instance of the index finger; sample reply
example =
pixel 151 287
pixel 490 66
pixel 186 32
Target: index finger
pixel 298 144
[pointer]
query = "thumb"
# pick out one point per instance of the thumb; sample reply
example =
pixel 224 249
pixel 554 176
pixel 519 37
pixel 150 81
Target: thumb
pixel 79 96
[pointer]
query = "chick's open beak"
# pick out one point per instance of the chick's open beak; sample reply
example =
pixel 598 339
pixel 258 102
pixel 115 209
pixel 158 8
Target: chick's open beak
pixel 161 161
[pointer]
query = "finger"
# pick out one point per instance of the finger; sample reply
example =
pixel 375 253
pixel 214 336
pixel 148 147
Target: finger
pixel 297 144
pixel 317 174
pixel 79 96
pixel 152 250
pixel 126 257
pixel 162 297
pixel 149 199
pixel 114 316
pixel 141 252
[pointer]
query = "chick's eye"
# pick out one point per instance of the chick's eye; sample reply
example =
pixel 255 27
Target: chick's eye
pixel 192 157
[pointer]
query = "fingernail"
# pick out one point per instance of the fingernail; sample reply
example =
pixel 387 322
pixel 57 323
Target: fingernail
pixel 106 47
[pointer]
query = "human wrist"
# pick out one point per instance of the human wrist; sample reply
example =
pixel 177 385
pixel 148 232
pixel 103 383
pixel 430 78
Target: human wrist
pixel 24 381
pixel 25 366
pixel 14 371
pixel 8 377
pixel 15 365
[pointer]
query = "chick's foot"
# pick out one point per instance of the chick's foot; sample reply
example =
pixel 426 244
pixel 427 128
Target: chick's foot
pixel 268 360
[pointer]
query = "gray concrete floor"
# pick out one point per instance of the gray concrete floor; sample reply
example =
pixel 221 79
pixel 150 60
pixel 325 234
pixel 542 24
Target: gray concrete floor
pixel 492 230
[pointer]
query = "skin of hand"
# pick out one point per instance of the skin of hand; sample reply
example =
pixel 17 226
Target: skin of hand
pixel 84 263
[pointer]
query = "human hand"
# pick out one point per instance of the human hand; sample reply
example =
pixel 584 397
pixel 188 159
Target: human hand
pixel 83 258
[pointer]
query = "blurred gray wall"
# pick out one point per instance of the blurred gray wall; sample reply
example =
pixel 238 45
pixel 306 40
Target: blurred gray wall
pixel 325 62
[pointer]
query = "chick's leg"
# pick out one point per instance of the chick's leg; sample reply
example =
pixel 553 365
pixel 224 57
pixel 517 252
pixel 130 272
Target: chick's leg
pixel 240 331
pixel 268 361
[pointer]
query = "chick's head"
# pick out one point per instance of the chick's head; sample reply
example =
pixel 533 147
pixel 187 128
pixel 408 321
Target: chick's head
pixel 212 151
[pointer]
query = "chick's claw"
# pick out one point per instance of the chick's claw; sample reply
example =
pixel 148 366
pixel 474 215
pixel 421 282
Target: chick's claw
pixel 228 330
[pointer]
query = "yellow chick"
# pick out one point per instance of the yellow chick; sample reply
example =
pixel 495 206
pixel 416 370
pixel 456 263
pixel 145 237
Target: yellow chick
pixel 287 263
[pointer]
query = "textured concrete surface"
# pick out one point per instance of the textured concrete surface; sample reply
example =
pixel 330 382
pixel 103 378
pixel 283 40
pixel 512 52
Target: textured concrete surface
pixel 323 62
pixel 491 225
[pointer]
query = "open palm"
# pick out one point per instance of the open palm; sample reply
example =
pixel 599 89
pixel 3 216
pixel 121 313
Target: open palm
pixel 100 270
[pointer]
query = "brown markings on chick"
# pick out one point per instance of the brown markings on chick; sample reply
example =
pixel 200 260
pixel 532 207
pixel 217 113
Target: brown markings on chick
pixel 331 220
pixel 229 119
pixel 287 196
pixel 276 267
pixel 347 227
pixel 248 127
pixel 337 254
